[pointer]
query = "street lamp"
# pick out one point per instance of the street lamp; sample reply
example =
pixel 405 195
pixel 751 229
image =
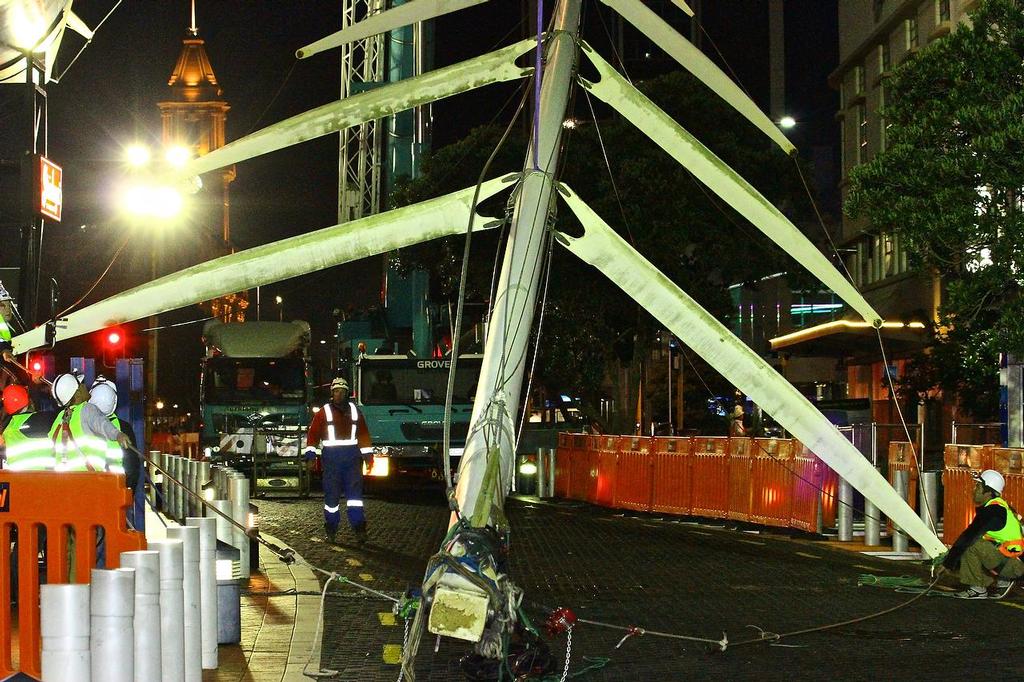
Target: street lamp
pixel 137 155
pixel 787 122
pixel 280 308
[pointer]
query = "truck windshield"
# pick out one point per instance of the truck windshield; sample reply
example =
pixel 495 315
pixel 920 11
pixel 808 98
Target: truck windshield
pixel 417 385
pixel 240 380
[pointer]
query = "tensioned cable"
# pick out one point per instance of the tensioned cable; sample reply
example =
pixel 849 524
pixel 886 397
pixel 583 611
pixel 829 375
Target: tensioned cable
pixel 536 345
pixel 96 283
pixel 179 324
pixel 87 42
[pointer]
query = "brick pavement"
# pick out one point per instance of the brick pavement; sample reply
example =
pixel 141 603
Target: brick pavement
pixel 660 573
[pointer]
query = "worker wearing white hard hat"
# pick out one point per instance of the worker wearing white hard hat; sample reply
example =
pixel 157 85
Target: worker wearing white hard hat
pixel 81 431
pixel 339 428
pixel 991 546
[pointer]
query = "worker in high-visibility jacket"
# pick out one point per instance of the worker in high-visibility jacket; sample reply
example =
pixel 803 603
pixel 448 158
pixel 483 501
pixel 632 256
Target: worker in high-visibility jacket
pixel 26 435
pixel 103 394
pixel 81 431
pixel 991 546
pixel 339 428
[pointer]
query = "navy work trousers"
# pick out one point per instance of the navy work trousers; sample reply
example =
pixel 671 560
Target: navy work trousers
pixel 343 473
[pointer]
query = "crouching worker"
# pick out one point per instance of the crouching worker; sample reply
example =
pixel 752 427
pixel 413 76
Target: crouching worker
pixel 989 549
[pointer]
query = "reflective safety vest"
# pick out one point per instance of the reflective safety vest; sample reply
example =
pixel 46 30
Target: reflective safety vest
pixel 115 455
pixel 5 331
pixel 332 437
pixel 74 449
pixel 28 444
pixel 1008 537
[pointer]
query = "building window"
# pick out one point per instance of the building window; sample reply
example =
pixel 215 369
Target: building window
pixel 884 61
pixel 911 34
pixel 941 11
pixel 858 80
pixel 862 133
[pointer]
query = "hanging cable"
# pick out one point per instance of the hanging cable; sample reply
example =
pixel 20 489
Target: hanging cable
pixel 536 345
pixel 96 283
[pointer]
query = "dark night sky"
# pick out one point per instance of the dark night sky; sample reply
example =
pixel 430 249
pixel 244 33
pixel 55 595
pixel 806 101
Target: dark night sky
pixel 108 98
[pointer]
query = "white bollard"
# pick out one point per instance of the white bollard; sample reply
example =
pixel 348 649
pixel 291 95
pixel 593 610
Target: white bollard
pixel 172 608
pixel 189 535
pixel 207 587
pixel 239 496
pixel 64 626
pixel 147 612
pixel 195 487
pixel 154 476
pixel 225 531
pixel 112 633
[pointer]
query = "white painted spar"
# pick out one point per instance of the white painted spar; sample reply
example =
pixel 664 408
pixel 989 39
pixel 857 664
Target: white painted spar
pixel 382 22
pixel 734 360
pixel 720 179
pixel 493 67
pixel 305 253
pixel 697 63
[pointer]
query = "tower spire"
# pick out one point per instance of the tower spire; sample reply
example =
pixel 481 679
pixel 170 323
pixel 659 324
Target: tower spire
pixel 193 29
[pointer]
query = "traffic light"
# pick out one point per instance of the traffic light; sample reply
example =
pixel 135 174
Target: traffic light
pixel 113 342
pixel 41 366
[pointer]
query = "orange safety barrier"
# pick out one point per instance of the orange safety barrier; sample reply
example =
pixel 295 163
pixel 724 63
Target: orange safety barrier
pixel 634 474
pixel 740 479
pixel 807 486
pixel 901 458
pixel 604 470
pixel 583 476
pixel 672 487
pixel 563 461
pixel 59 504
pixel 771 481
pixel 710 470
pixel 961 462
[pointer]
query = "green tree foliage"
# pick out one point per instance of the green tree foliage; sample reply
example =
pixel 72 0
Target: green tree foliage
pixel 950 186
pixel 692 236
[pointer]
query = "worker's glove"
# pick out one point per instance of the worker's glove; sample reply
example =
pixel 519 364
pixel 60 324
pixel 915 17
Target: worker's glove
pixel 940 559
pixel 123 440
pixel 309 454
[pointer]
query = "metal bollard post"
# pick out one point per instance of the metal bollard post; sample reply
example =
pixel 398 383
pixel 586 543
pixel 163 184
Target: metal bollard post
pixel 552 462
pixel 542 473
pixel 204 479
pixel 872 524
pixel 175 489
pixel 901 483
pixel 239 497
pixel 928 498
pixel 154 475
pixel 172 610
pixel 844 514
pixel 146 622
pixel 64 626
pixel 111 632
pixel 165 484
pixel 192 482
pixel 207 587
pixel 225 531
pixel 189 535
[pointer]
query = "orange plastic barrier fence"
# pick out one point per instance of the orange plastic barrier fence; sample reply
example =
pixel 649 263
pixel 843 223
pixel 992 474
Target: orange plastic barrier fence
pixel 634 474
pixel 771 481
pixel 767 481
pixel 710 471
pixel 673 479
pixel 808 482
pixel 961 462
pixel 901 458
pixel 741 480
pixel 605 470
pixel 58 504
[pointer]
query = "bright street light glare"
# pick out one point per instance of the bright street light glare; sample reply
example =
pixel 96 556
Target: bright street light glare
pixel 787 122
pixel 167 202
pixel 153 202
pixel 278 299
pixel 137 155
pixel 27 27
pixel 159 404
pixel 177 156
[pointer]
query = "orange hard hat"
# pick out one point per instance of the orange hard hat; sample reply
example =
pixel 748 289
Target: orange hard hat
pixel 15 398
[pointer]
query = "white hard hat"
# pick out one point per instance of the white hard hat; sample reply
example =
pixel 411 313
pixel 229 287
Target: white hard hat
pixel 64 388
pixel 4 296
pixel 339 382
pixel 103 395
pixel 993 479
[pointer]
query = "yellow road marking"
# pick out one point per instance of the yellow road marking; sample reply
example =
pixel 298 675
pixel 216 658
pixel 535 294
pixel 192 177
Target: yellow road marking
pixel 750 542
pixel 354 563
pixel 386 618
pixel 1011 604
pixel 392 654
pixel 365 577
pixel 809 556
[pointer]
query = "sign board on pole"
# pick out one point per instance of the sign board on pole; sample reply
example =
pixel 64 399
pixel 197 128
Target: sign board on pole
pixel 49 189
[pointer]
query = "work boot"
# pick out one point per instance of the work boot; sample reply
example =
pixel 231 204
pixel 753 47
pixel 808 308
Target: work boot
pixel 972 592
pixel 330 533
pixel 360 532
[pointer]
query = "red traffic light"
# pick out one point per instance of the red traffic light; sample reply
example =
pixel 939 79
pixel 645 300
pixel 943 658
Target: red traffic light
pixel 37 366
pixel 114 338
